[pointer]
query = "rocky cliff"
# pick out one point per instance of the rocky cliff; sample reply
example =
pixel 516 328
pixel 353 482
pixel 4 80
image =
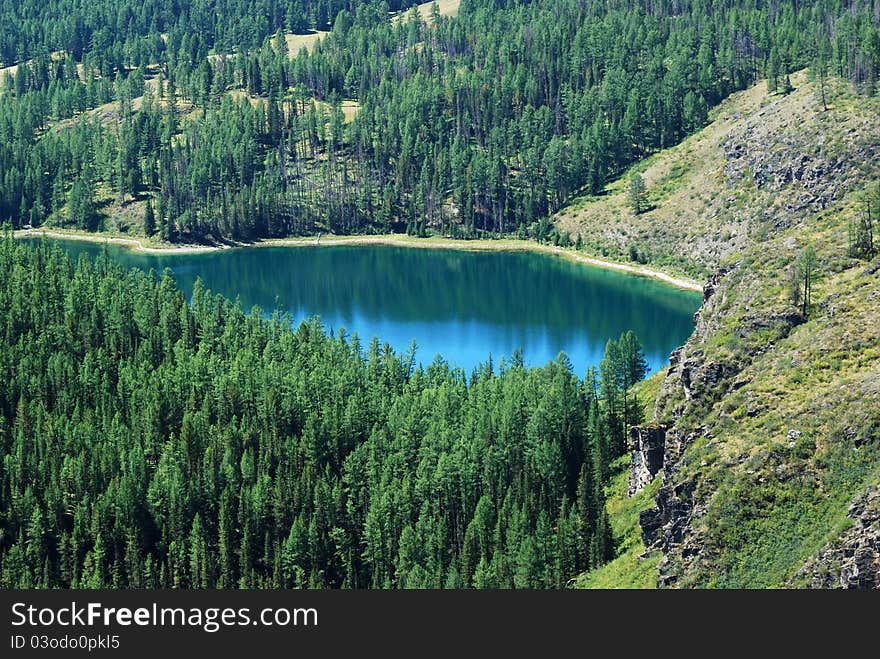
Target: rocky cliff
pixel 853 559
pixel 766 431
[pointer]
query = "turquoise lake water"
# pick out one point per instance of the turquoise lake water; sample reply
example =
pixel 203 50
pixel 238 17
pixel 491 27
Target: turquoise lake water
pixel 463 305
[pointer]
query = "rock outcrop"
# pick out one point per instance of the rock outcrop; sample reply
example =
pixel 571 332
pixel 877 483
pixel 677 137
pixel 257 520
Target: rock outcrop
pixel 647 444
pixel 853 560
pixel 746 431
pixel 665 527
pixel 777 152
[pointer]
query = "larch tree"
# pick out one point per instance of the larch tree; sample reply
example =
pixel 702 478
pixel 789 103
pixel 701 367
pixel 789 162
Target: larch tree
pixel 637 194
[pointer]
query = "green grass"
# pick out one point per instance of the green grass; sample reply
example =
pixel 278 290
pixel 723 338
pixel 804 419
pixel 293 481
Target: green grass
pixel 767 528
pixel 628 570
pixel 772 500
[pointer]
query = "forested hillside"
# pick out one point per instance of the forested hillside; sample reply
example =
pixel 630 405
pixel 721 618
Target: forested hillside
pixel 192 121
pixel 149 442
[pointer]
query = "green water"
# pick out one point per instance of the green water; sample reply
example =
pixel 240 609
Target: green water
pixel 464 306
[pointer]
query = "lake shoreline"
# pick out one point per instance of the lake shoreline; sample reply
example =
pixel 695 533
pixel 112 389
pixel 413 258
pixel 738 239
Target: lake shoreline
pixel 500 245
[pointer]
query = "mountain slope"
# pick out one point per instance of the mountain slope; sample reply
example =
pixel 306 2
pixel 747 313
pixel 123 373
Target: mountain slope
pixel 768 421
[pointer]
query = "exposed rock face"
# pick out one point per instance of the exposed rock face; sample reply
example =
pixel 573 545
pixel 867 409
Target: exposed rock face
pixel 687 364
pixel 694 380
pixel 647 444
pixel 853 560
pixel 700 377
pixel 665 527
pixel 785 170
pixel 776 152
pixel 665 523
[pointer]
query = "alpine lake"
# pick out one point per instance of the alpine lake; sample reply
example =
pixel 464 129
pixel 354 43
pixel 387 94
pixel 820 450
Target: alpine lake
pixel 466 306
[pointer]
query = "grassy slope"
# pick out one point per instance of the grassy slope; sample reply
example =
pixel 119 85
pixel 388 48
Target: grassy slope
pixel 692 225
pixel 445 8
pixel 631 568
pixel 783 452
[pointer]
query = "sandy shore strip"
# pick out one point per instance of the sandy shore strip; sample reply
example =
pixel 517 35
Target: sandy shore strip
pixel 136 244
pixel 501 245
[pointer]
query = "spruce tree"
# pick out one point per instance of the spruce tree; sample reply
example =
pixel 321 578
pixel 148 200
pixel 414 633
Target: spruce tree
pixel 633 368
pixel 149 220
pixel 81 205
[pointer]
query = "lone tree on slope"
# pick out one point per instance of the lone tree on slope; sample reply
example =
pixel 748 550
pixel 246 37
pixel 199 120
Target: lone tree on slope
pixel 637 195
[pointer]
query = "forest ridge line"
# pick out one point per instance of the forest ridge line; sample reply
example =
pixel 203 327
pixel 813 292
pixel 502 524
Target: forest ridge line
pixel 485 124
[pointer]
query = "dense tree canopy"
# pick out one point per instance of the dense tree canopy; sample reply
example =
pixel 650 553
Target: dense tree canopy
pixel 482 123
pixel 149 441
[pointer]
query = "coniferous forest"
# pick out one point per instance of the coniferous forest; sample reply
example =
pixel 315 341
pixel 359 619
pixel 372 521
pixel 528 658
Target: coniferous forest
pixel 152 442
pixel 197 115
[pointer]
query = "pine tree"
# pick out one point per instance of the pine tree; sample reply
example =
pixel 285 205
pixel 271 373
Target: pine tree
pixel 861 228
pixel 773 70
pixel 602 542
pixel 819 66
pixel 149 219
pixel 637 194
pixel 587 509
pixel 633 368
pixel 793 280
pixel 81 206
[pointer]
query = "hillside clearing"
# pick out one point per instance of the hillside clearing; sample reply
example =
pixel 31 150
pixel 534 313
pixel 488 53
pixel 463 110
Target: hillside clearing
pixel 296 42
pixel 446 8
